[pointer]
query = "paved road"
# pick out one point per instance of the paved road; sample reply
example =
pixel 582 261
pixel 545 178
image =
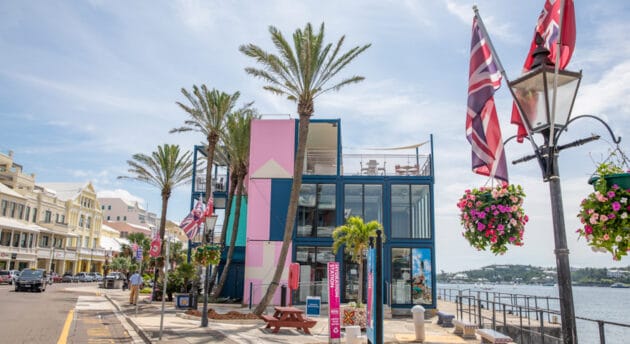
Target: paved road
pixel 58 315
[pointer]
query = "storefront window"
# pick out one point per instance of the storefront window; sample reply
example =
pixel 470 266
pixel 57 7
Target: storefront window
pixel 351 276
pixel 313 271
pixel 411 276
pixel 316 210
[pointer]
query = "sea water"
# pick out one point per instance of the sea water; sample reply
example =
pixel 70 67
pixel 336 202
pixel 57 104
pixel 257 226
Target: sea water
pixel 597 303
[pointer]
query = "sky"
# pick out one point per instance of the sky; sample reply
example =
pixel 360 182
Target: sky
pixel 84 85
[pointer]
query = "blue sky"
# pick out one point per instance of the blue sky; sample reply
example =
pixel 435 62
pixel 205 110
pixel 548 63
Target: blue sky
pixel 86 84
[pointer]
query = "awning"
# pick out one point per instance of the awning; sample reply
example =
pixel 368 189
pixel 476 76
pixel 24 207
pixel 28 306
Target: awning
pixel 10 223
pixel 110 244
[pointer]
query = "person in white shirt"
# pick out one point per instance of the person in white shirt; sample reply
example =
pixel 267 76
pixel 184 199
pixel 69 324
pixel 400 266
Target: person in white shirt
pixel 135 280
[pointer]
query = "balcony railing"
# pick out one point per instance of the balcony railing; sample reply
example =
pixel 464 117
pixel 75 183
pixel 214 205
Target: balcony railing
pixel 218 183
pixel 386 165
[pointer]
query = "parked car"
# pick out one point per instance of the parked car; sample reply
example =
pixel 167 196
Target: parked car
pixel 32 279
pixel 115 276
pixel 5 277
pixel 67 277
pixel 54 277
pixel 14 275
pixel 83 277
pixel 96 276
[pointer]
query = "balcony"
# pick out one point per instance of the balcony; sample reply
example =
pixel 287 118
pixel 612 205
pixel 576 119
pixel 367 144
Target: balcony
pixel 386 165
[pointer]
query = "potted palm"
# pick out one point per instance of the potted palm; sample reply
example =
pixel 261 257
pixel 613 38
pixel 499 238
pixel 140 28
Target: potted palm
pixel 604 212
pixel 355 237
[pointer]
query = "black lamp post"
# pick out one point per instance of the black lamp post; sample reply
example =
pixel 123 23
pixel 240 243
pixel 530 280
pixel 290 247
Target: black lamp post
pixel 545 98
pixel 208 236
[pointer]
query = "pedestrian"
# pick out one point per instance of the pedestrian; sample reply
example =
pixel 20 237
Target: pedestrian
pixel 135 280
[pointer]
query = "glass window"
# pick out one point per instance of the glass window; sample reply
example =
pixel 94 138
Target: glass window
pixel 411 276
pixel 316 216
pixel 411 211
pixel 109 207
pixel 5 238
pixel 27 213
pixel 81 219
pixel 47 216
pixel 88 224
pixel 351 279
pixel 401 275
pixel 23 239
pixel 20 211
pixel 43 242
pixel 5 205
pixel 12 207
pixel 313 271
pixel 34 214
pixel 364 200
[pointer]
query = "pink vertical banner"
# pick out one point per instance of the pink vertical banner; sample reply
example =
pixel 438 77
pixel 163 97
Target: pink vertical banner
pixel 334 318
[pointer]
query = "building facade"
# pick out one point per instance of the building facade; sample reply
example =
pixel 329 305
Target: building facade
pixel 118 209
pixel 393 187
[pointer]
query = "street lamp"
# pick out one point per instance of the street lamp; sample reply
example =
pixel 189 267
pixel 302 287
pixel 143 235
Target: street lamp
pixel 545 98
pixel 208 235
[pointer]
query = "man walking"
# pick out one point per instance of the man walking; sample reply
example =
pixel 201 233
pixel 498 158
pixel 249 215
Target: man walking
pixel 135 280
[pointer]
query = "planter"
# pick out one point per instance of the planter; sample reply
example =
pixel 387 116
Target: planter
pixel 621 179
pixel 354 316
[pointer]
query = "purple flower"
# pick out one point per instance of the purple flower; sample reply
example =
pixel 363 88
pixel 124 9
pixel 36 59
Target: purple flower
pixel 616 206
pixel 610 194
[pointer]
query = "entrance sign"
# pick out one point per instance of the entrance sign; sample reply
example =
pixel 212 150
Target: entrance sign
pixel 370 313
pixel 313 305
pixel 139 254
pixel 334 319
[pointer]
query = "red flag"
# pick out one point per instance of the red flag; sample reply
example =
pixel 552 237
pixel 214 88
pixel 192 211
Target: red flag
pixel 548 27
pixel 156 245
pixel 482 125
pixel 209 208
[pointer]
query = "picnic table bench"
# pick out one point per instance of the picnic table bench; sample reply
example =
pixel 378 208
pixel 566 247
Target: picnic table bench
pixel 288 317
pixel 492 336
pixel 465 329
pixel 445 319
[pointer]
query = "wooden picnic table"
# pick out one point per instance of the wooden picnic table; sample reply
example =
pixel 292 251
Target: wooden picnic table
pixel 288 317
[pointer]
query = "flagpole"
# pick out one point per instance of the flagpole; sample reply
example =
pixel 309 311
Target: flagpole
pixel 507 80
pixel 552 119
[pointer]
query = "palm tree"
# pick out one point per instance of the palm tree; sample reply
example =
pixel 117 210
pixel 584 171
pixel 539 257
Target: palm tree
pixel 207 113
pixel 301 73
pixel 355 236
pixel 236 138
pixel 165 169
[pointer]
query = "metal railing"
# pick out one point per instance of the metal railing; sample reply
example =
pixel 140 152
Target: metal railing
pixel 526 318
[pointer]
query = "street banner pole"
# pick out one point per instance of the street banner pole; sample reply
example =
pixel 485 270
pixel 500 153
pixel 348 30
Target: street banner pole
pixel 334 320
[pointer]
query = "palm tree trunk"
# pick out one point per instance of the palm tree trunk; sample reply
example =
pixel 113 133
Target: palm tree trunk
pixel 228 209
pixel 291 212
pixel 158 265
pixel 237 215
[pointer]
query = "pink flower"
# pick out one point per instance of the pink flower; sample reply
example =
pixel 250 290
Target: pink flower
pixel 501 228
pixel 606 237
pixel 588 229
pixel 610 194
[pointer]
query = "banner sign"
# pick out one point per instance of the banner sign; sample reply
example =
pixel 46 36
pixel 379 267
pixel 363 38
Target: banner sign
pixel 371 291
pixel 139 254
pixel 334 319
pixel 155 248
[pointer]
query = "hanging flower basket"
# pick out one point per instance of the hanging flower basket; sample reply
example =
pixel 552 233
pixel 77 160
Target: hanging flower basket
pixel 208 255
pixel 493 217
pixel 604 213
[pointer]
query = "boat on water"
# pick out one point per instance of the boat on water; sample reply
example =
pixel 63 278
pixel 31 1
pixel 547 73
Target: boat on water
pixel 619 285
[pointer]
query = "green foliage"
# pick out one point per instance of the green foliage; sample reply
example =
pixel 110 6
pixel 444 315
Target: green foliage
pixel 121 264
pixel 208 255
pixel 355 236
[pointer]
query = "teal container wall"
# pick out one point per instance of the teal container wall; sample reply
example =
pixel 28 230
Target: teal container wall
pixel 242 225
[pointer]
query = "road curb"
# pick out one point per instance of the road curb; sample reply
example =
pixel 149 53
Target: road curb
pixel 135 327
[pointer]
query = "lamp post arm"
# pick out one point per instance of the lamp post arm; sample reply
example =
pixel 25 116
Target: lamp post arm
pixel 579 142
pixel 616 140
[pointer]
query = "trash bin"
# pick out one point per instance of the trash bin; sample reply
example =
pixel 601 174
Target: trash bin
pixel 109 284
pixel 418 321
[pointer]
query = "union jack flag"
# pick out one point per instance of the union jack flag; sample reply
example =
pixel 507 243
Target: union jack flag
pixel 482 124
pixel 548 26
pixel 190 224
